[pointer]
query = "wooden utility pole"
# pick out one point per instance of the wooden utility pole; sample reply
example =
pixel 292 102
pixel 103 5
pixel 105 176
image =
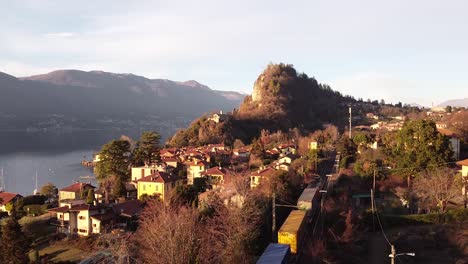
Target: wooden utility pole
pixel 392 254
pixel 373 185
pixel 273 222
pixel 372 209
pixel 350 127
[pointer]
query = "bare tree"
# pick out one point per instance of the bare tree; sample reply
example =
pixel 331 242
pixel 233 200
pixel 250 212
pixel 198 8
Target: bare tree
pixel 435 188
pixel 232 233
pixel 169 234
pixel 121 247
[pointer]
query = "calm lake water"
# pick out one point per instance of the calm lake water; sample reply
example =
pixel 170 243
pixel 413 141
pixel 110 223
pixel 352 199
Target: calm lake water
pixel 55 156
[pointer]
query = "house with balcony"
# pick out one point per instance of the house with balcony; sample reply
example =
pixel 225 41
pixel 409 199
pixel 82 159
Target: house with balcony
pixel 215 176
pixel 80 219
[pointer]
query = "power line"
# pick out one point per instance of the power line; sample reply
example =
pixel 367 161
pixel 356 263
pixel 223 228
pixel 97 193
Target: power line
pixel 418 167
pixel 381 228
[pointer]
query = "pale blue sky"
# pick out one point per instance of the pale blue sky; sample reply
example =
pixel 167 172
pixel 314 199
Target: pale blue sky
pixel 413 51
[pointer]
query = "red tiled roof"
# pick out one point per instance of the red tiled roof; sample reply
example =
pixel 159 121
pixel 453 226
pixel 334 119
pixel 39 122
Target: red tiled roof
pixel 104 217
pixel 197 163
pixel 83 207
pixel 159 177
pixel 62 209
pixel 265 172
pixel 286 146
pixel 446 132
pixel 463 162
pixel 128 208
pixel 7 197
pixel 76 187
pixel 170 159
pixel 215 171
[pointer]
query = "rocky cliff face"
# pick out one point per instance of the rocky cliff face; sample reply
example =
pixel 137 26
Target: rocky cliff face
pixel 282 99
pixel 257 89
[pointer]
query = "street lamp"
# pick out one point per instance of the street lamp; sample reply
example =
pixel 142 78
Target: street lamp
pixel 394 254
pixel 412 254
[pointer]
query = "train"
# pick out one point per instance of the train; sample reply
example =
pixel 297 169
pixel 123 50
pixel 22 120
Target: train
pixel 275 254
pixel 292 232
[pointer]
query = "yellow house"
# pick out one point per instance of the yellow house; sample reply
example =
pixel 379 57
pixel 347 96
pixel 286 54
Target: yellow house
pixel 195 170
pixel 258 176
pixel 74 191
pixel 143 171
pixel 159 184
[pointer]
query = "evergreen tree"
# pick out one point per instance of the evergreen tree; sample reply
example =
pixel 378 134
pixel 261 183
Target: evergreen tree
pixel 118 187
pixel 14 246
pixel 90 197
pixel 147 150
pixel 114 160
pixel 419 145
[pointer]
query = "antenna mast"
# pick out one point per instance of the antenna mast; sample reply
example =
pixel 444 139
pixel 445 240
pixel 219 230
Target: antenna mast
pixel 350 126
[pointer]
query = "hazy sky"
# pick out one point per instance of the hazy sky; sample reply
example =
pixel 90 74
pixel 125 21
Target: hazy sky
pixel 399 50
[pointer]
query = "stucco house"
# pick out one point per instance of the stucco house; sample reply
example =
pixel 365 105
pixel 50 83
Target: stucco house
pixel 195 169
pixel 158 184
pixel 74 191
pixel 143 171
pixel 258 176
pixel 7 197
pixel 215 176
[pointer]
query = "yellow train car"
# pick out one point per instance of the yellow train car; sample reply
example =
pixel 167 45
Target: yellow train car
pixel 291 231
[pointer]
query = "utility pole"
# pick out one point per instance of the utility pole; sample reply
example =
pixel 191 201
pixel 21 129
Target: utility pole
pixel 393 254
pixel 273 222
pixel 372 209
pixel 373 184
pixel 350 126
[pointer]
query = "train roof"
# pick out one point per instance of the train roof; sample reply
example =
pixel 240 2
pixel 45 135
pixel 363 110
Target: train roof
pixel 274 254
pixel 293 222
pixel 308 194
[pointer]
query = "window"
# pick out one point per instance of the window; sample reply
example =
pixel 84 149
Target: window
pixel 144 187
pixel 94 225
pixel 82 217
pixel 82 230
pixel 156 187
pixel 200 168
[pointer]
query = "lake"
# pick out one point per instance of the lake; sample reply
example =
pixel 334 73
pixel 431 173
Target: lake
pixel 55 156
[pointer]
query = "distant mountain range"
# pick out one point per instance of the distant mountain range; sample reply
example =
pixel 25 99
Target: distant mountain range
pixel 96 97
pixel 455 102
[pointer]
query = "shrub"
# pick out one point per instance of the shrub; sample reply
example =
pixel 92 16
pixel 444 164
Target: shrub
pixel 35 209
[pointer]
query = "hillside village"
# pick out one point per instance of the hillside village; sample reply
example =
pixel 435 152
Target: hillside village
pixel 284 163
pixel 264 183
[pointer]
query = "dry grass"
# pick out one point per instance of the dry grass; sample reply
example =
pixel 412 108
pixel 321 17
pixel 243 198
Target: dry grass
pixel 62 252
